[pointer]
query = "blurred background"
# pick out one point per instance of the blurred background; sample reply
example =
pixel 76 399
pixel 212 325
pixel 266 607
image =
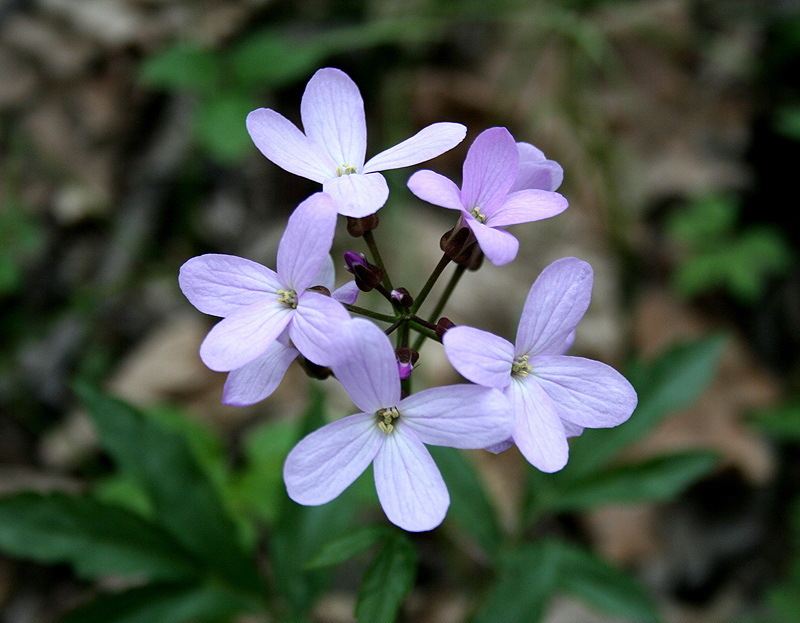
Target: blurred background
pixel 123 153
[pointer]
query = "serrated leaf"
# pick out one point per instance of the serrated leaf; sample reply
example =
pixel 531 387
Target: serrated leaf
pixel 610 590
pixel 470 507
pixel 183 602
pixel 348 546
pixel 184 500
pixel 95 538
pixel 387 581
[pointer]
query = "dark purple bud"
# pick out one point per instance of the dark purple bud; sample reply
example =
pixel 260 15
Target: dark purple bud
pixel 443 325
pixel 402 298
pixel 367 275
pixel 357 227
pixel 321 290
pixel 406 359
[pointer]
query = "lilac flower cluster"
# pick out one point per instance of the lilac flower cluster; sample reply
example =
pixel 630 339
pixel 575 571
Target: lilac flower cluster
pixel 529 393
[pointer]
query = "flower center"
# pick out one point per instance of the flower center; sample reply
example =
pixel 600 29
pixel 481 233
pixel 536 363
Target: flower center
pixel 386 418
pixel 288 298
pixel 521 367
pixel 345 169
pixel 479 216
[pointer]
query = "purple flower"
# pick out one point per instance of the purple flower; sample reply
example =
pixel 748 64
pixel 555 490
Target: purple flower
pixel 485 200
pixel 333 147
pixel 391 432
pixel 536 171
pixel 258 304
pixel 554 396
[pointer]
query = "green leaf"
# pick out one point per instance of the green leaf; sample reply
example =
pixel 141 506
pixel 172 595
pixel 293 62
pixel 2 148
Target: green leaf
pixel 387 581
pixel 525 584
pixel 220 126
pixel 703 222
pixel 671 383
pixel 654 480
pixel 782 423
pixel 788 122
pixel 470 507
pixel 610 590
pixel 179 602
pixel 182 67
pixel 95 538
pixel 347 546
pixel 184 500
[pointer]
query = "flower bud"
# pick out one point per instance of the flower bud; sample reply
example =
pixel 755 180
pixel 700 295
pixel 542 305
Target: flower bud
pixel 367 275
pixel 357 227
pixel 321 290
pixel 460 245
pixel 442 325
pixel 402 298
pixel 406 359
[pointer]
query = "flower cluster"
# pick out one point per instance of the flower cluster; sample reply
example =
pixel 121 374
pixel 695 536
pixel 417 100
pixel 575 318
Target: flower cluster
pixel 529 393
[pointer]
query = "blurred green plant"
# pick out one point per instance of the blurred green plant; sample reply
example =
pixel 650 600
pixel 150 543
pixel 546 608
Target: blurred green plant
pixel 718 254
pixel 21 238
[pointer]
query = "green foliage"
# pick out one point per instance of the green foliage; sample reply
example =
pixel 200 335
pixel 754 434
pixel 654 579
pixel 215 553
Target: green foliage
pixel 388 580
pixel 782 423
pixel 20 239
pixel 720 256
pixel 350 545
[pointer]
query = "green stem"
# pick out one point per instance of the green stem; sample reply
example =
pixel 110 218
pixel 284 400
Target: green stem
pixel 426 289
pixel 422 330
pixel 376 256
pixel 370 314
pixel 451 286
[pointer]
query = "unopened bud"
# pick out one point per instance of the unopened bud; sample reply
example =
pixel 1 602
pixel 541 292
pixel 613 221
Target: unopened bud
pixel 367 275
pixel 442 325
pixel 406 359
pixel 357 227
pixel 402 298
pixel 321 290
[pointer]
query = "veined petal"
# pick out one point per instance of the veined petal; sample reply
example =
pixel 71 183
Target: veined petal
pixel 479 356
pixel 489 170
pixel 284 144
pixel 544 175
pixel 367 367
pixel 538 432
pixel 220 284
pixel 525 206
pixel 497 245
pixel 435 189
pixel 326 462
pixel 306 242
pixel 458 416
pixel 556 302
pixel 316 325
pixel 244 335
pixel 409 485
pixel 347 294
pixel 256 380
pixel 332 111
pixel 326 274
pixel 428 143
pixel 585 392
pixel 357 195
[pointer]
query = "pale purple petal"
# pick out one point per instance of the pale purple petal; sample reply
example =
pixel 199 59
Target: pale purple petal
pixel 428 143
pixel 458 416
pixel 284 144
pixel 525 206
pixel 220 284
pixel 357 195
pixel 555 305
pixel 258 379
pixel 315 327
pixel 326 275
pixel 497 448
pixel 489 170
pixel 306 242
pixel 572 430
pixel 479 356
pixel 585 392
pixel 546 175
pixel 347 294
pixel 538 433
pixel 529 153
pixel 409 485
pixel 367 368
pixel 435 189
pixel 333 116
pixel 326 462
pixel 497 245
pixel 244 335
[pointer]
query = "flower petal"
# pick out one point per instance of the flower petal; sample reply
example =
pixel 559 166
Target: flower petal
pixel 220 284
pixel 333 116
pixel 435 189
pixel 458 416
pixel 497 245
pixel 585 392
pixel 306 242
pixel 497 448
pixel 544 175
pixel 428 143
pixel 489 170
pixel 479 356
pixel 326 274
pixel 347 294
pixel 367 367
pixel 525 206
pixel 258 379
pixel 316 325
pixel 244 335
pixel 538 432
pixel 556 302
pixel 409 485
pixel 282 143
pixel 326 462
pixel 357 195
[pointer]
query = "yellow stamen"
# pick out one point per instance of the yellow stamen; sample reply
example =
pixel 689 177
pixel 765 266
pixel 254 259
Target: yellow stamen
pixel 521 367
pixel 288 297
pixel 480 217
pixel 386 417
pixel 345 169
